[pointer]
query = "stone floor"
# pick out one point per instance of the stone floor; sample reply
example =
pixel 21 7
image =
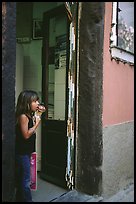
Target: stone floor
pixel 47 192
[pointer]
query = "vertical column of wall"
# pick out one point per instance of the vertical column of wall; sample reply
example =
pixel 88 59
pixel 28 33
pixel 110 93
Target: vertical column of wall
pixel 8 98
pixel 89 138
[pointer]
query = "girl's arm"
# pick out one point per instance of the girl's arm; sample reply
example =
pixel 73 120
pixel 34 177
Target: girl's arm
pixel 23 121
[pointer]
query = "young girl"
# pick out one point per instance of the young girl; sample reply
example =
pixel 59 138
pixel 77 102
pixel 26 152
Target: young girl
pixel 27 105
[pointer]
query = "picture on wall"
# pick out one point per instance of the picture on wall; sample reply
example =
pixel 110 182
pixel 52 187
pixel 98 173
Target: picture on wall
pixel 37 29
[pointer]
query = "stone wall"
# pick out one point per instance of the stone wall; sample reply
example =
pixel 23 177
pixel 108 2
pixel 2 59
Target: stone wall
pixel 118 157
pixel 8 98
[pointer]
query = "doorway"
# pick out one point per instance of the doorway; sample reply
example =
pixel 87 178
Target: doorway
pixel 43 58
pixel 54 92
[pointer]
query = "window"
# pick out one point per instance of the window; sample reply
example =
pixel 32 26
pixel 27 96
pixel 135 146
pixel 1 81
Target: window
pixel 125 26
pixel 122 35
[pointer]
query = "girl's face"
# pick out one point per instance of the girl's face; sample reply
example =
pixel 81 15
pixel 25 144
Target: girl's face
pixel 34 105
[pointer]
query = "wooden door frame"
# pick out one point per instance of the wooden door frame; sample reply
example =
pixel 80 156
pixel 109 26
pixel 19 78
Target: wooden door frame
pixel 61 10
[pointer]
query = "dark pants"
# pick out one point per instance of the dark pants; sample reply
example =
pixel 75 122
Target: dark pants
pixel 22 176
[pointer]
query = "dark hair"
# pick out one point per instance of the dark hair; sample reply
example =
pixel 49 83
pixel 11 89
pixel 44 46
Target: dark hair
pixel 25 98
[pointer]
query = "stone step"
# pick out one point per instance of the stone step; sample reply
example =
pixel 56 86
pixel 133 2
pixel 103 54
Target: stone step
pixel 76 196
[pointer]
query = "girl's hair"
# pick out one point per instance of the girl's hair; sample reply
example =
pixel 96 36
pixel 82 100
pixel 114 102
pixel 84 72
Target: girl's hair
pixel 24 101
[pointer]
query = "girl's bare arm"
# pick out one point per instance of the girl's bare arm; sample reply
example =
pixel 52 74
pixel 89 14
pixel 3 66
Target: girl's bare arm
pixel 23 121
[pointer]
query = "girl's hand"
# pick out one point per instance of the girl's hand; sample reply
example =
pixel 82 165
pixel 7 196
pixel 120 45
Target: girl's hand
pixel 41 108
pixel 37 120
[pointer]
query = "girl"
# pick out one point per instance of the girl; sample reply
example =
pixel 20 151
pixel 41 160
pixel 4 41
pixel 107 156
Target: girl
pixel 27 105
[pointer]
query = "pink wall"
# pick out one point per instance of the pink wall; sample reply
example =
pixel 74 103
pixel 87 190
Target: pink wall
pixel 118 82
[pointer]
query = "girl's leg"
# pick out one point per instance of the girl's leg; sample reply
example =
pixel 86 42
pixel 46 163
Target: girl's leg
pixel 26 178
pixel 18 179
pixel 23 192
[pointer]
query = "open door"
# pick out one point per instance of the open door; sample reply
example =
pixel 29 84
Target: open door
pixel 58 95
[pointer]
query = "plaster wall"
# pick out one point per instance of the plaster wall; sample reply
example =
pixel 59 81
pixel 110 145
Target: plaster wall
pixel 118 82
pixel 118 117
pixel 19 69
